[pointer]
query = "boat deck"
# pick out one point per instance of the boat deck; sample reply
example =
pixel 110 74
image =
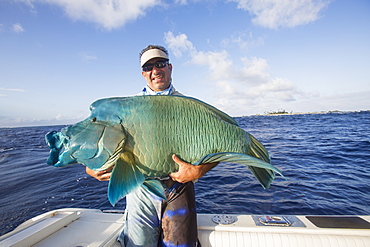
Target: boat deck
pixel 91 227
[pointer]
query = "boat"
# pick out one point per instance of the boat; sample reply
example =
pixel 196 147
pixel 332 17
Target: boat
pixel 80 227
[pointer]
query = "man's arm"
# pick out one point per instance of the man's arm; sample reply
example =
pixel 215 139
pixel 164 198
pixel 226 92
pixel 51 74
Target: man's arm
pixel 188 172
pixel 100 175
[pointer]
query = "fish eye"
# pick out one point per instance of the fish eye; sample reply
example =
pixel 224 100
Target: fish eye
pixel 93 119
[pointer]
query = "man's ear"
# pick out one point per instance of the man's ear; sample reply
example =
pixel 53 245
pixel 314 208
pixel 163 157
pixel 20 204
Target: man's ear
pixel 170 67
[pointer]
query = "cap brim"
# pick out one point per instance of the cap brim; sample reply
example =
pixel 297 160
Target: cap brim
pixel 150 54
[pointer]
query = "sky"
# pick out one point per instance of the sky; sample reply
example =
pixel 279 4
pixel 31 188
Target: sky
pixel 244 57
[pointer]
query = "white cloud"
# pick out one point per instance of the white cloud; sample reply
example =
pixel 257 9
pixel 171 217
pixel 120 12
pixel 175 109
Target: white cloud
pixel 12 89
pixel 111 14
pixel 64 118
pixel 178 44
pixel 247 83
pixel 338 101
pixel 218 63
pixel 108 14
pixel 59 119
pixel 181 2
pixel 254 69
pixel 17 28
pixel 283 13
pixel 244 40
pixel 85 56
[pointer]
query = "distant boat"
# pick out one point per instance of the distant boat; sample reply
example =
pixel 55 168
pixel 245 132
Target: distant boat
pixel 92 227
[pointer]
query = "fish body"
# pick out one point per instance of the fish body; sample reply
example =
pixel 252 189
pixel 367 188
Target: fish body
pixel 138 135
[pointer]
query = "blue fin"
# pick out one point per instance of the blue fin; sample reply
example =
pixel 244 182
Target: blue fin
pixel 125 178
pixel 262 170
pixel 155 187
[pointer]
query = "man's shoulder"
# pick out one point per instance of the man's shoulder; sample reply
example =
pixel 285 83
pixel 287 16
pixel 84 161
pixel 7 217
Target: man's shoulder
pixel 175 92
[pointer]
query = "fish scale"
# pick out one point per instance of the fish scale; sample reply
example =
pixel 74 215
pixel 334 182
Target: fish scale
pixel 201 138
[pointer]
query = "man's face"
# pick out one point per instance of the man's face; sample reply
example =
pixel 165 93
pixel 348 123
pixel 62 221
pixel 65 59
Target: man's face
pixel 158 79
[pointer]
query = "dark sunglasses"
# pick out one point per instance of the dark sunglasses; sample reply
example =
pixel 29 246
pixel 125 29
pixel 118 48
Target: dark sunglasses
pixel 158 65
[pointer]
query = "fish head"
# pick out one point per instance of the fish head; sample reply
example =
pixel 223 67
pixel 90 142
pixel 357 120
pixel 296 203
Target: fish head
pixel 95 142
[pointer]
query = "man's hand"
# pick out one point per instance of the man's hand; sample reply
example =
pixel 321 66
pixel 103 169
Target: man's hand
pixel 188 172
pixel 100 175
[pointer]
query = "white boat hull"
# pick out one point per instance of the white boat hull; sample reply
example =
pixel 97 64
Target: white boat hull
pixel 91 227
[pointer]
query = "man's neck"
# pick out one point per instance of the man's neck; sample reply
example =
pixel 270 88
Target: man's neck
pixel 148 91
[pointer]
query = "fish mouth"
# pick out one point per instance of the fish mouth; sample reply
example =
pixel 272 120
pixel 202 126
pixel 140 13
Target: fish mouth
pixel 56 143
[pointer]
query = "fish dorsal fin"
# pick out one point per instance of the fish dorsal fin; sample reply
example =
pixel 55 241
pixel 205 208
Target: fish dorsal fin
pixel 125 178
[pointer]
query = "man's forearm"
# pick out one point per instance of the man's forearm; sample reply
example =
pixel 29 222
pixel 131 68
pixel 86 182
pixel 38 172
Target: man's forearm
pixel 188 172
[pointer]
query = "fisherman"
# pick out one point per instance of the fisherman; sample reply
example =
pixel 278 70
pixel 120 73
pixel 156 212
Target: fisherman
pixel 150 220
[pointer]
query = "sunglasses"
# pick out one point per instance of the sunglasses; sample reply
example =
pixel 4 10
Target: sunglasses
pixel 158 65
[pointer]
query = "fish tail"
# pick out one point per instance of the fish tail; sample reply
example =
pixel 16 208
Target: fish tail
pixel 258 150
pixel 264 176
pixel 262 170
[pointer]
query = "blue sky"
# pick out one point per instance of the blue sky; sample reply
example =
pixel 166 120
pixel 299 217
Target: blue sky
pixel 244 57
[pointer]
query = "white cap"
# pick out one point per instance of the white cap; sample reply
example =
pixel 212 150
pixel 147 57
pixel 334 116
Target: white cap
pixel 152 53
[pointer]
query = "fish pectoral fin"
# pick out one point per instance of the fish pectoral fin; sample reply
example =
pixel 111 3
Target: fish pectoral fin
pixel 155 187
pixel 262 170
pixel 125 178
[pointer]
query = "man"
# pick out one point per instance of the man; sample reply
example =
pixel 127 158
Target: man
pixel 150 221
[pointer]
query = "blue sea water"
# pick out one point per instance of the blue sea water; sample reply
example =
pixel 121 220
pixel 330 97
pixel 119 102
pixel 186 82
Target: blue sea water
pixel 324 157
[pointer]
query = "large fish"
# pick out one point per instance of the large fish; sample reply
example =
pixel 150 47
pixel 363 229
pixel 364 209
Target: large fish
pixel 138 135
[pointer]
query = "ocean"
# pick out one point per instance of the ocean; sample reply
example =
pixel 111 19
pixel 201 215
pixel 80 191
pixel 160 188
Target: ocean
pixel 324 157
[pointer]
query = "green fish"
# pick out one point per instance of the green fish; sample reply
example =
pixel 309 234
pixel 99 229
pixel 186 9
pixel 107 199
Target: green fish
pixel 138 135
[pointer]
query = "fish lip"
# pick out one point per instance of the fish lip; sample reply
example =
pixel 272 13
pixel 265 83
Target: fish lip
pixel 56 143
